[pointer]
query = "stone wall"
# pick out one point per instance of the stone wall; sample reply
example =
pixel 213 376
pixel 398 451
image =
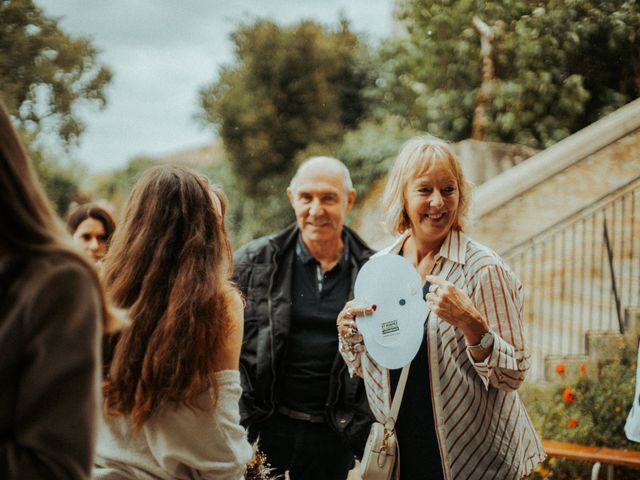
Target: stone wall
pixel 558 196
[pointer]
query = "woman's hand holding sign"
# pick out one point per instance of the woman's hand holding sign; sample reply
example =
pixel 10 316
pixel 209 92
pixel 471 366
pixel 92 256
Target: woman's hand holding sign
pixel 454 306
pixel 351 340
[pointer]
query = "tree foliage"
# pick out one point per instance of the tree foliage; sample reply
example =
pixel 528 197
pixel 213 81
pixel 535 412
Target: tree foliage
pixel 248 217
pixel 287 88
pixel 61 181
pixel 559 65
pixel 45 73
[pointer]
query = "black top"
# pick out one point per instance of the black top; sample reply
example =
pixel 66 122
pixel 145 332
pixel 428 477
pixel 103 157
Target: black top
pixel 415 427
pixel 317 299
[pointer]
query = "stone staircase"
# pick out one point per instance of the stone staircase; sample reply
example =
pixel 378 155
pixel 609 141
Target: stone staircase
pixel 599 346
pixel 567 222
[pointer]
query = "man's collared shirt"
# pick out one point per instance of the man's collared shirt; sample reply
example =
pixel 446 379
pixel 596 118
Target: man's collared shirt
pixel 317 299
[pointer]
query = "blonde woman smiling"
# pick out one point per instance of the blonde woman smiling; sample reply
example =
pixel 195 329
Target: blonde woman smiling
pixel 461 416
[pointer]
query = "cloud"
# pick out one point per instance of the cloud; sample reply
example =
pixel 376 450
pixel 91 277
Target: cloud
pixel 163 51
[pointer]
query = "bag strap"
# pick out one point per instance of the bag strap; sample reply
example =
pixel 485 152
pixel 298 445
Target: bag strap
pixel 397 398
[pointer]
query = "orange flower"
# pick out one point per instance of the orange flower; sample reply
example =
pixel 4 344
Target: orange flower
pixel 542 471
pixel 568 395
pixel 583 368
pixel 560 368
pixel 573 423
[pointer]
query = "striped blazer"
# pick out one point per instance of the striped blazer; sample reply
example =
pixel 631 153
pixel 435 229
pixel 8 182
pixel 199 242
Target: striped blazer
pixel 482 427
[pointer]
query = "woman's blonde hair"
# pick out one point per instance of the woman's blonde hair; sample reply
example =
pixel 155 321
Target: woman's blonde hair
pixel 414 158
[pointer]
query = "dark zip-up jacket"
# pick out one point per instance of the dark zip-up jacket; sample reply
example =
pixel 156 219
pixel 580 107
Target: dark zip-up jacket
pixel 263 271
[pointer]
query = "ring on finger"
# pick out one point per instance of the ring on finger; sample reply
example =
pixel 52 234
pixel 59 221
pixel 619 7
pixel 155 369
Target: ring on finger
pixel 351 332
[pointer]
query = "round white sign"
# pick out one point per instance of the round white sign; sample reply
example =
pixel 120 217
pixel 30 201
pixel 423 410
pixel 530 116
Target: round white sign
pixel 393 333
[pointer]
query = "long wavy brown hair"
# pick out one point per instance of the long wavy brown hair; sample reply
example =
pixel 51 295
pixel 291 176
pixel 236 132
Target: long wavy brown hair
pixel 28 224
pixel 169 264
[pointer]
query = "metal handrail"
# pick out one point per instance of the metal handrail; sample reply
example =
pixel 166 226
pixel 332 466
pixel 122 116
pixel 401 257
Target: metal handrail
pixel 579 274
pixel 614 287
pixel 577 215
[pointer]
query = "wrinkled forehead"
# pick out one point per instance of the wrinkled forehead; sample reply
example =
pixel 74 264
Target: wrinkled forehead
pixel 319 180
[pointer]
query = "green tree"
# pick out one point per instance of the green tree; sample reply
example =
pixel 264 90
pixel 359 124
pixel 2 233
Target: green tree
pixel 368 151
pixel 249 217
pixel 45 73
pixel 60 180
pixel 559 66
pixel 287 88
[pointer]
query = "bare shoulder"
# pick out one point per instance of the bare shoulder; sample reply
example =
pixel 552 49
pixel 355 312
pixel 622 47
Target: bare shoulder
pixel 235 306
pixel 236 301
pixel 229 355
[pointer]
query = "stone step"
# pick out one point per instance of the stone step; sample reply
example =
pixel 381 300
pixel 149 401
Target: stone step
pixel 599 346
pixel 603 344
pixel 632 323
pixel 572 365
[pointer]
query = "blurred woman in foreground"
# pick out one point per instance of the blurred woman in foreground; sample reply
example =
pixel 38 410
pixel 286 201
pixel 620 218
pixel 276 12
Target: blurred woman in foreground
pixel 91 227
pixel 51 314
pixel 172 389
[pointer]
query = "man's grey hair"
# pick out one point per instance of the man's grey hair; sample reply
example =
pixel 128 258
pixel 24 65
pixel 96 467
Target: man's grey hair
pixel 348 184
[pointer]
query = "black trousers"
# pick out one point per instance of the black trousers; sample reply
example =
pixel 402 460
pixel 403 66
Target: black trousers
pixel 310 451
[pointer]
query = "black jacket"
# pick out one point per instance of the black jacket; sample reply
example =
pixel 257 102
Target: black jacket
pixel 263 271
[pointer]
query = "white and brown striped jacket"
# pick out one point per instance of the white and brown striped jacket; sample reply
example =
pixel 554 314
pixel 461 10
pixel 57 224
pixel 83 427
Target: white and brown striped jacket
pixel 482 427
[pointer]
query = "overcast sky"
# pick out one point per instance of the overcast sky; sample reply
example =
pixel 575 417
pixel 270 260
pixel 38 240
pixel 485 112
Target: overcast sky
pixel 162 51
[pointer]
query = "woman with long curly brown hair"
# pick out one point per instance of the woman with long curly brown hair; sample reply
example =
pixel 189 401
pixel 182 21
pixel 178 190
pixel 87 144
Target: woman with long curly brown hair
pixel 172 389
pixel 51 315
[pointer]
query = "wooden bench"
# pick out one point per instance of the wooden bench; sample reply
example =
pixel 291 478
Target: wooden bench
pixel 596 455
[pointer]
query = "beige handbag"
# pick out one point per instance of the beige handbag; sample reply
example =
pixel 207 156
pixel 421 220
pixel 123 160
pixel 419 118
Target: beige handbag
pixel 381 450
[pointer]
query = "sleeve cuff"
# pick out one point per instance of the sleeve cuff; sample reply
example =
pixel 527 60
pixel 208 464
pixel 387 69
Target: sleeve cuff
pixel 227 377
pixel 502 356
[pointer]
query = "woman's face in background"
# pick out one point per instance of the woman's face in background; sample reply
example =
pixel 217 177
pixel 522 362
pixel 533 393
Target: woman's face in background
pixel 91 237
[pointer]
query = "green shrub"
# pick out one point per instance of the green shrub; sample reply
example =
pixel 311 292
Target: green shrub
pixel 587 405
pixel 370 150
